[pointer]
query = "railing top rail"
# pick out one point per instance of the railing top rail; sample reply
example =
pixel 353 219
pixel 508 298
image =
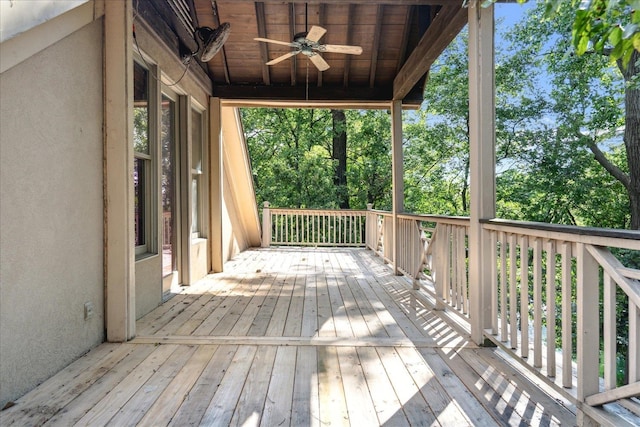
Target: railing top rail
pixel 457 220
pixel 312 210
pixel 380 212
pixel 629 239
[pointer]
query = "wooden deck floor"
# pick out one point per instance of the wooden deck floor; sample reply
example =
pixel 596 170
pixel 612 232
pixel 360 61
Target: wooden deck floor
pixel 292 337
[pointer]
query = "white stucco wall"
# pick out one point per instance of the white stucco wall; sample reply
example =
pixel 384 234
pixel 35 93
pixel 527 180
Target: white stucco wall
pixel 240 221
pixel 51 210
pixel 19 16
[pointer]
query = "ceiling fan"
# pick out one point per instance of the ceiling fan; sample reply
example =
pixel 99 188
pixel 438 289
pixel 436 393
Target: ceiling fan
pixel 308 44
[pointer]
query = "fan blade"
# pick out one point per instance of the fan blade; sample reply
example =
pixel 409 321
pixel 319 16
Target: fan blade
pixel 260 39
pixel 315 33
pixel 319 62
pixel 283 57
pixel 338 48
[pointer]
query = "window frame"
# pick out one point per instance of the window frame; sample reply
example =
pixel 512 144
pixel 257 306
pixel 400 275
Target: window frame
pixel 150 165
pixel 199 199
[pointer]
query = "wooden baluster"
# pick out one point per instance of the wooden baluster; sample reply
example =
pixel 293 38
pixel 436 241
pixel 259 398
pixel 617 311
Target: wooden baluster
pixel 454 269
pixel 567 377
pixel 462 268
pixel 503 287
pixel 513 292
pixel 524 296
pixel 418 256
pixel 446 289
pixel 336 227
pixel 285 219
pixel 537 303
pixel 494 279
pixel 609 332
pixel 324 228
pixel 551 308
pixel 634 342
pixel 313 228
pixel 462 263
pixel 439 265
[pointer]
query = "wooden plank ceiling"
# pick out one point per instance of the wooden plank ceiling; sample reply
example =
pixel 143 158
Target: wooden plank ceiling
pixel 400 40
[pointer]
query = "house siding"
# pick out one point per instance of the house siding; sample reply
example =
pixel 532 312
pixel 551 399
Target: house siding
pixel 51 210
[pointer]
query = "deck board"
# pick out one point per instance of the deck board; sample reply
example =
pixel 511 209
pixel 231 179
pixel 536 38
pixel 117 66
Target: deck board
pixel 290 336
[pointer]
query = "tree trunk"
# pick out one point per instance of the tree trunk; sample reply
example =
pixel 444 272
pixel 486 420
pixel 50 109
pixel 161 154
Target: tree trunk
pixel 465 186
pixel 339 155
pixel 632 137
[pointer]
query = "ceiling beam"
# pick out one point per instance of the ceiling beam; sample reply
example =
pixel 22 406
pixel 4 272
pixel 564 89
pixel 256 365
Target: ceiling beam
pixel 376 46
pixel 292 30
pixel 264 49
pixel 223 53
pixel 411 12
pixel 347 59
pixel 322 16
pixel 339 104
pixel 446 25
pixel 312 95
pixel 374 2
pixel 286 93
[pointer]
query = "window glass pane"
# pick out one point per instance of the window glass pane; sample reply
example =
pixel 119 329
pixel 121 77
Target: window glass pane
pixel 196 141
pixel 195 206
pixel 196 166
pixel 168 184
pixel 140 109
pixel 139 196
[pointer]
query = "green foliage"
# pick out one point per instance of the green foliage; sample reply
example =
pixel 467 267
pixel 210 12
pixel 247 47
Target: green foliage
pixel 369 158
pixel 550 173
pixel 292 164
pixel 601 26
pixel 288 159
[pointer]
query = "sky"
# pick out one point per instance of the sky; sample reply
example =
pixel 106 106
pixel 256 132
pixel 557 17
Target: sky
pixel 508 14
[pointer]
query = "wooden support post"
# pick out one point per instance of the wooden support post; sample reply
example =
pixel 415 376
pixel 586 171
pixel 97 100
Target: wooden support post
pixel 119 235
pixel 266 226
pixel 369 230
pixel 216 173
pixel 397 176
pixel 588 336
pixel 482 163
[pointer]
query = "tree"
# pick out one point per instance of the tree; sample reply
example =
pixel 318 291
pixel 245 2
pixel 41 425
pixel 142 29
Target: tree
pixel 339 156
pixel 369 158
pixel 437 137
pixel 587 95
pixel 603 32
pixel 289 156
pixel 297 160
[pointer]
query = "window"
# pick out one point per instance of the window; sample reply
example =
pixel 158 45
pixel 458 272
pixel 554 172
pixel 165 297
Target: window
pixel 168 187
pixel 197 184
pixel 142 164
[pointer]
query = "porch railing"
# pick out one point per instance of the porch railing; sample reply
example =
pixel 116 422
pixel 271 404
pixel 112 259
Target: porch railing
pixel 313 227
pixel 546 305
pixel 562 268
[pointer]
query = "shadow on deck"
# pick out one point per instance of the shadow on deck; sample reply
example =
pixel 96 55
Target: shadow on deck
pixel 293 337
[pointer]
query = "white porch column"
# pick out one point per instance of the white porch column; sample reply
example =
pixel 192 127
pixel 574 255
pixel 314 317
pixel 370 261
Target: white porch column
pixel 482 162
pixel 216 183
pixel 397 175
pixel 119 255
